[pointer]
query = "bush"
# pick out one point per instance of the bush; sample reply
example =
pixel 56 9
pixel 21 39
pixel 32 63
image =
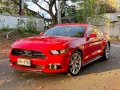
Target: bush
pixel 114 37
pixel 27 27
pixel 4 29
pixel 30 25
pixel 20 30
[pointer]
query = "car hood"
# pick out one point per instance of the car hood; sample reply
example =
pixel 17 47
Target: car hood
pixel 43 42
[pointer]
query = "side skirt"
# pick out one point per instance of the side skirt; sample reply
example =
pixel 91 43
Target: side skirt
pixel 92 60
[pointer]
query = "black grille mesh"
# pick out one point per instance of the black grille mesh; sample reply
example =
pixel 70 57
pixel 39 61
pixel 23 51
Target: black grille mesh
pixel 28 53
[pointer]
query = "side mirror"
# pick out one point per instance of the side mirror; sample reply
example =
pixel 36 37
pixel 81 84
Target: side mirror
pixel 93 35
pixel 41 33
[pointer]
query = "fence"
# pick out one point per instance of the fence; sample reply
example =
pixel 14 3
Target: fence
pixel 12 21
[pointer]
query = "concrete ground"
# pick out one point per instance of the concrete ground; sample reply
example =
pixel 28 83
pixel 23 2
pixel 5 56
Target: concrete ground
pixel 99 75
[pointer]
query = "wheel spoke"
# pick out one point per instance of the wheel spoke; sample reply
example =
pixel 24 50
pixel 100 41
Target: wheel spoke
pixel 73 69
pixel 107 52
pixel 74 56
pixel 75 63
pixel 71 63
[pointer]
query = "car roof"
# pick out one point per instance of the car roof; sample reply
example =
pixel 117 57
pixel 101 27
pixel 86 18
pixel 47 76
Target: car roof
pixel 73 24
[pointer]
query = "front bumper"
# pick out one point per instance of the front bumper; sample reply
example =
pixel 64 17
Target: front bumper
pixel 43 65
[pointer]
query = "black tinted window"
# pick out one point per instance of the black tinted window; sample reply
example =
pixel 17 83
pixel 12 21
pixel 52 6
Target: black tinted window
pixel 76 31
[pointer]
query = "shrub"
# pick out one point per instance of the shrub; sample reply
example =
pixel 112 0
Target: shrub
pixel 30 25
pixel 4 29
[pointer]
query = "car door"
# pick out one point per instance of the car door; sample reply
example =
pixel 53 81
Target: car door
pixel 92 44
pixel 89 45
pixel 97 42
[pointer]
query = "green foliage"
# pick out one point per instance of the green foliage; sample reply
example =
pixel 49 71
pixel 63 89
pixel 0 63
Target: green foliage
pixel 20 30
pixel 71 11
pixel 7 6
pixel 30 25
pixel 114 37
pixel 21 26
pixel 27 27
pixel 89 8
pixel 97 20
pixel 5 29
pixel 93 10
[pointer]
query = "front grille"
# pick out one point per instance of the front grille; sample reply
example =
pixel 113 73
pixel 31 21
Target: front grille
pixel 28 53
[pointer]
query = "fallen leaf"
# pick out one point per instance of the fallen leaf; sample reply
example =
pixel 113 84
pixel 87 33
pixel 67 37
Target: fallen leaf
pixel 40 88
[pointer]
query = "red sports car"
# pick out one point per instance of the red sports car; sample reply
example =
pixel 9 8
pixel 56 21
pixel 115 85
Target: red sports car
pixel 64 48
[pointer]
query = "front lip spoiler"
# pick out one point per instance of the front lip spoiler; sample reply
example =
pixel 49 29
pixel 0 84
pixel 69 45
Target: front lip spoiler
pixel 32 71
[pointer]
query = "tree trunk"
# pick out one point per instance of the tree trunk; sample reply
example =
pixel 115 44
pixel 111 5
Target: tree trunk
pixel 54 20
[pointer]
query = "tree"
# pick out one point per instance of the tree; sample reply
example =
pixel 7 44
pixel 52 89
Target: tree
pixel 50 4
pixel 7 6
pixel 94 8
pixel 111 6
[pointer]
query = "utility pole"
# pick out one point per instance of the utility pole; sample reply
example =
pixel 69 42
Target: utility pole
pixel 59 12
pixel 21 7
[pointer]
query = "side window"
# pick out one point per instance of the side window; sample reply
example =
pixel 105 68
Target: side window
pixel 89 31
pixel 94 30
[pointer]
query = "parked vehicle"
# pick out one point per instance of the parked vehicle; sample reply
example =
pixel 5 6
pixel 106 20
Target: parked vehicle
pixel 64 48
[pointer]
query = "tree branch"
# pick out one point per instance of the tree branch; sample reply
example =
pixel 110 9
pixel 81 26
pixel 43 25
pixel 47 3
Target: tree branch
pixel 36 13
pixel 35 2
pixel 46 2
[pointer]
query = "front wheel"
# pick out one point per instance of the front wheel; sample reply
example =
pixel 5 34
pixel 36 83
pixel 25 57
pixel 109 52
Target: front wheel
pixel 75 63
pixel 106 52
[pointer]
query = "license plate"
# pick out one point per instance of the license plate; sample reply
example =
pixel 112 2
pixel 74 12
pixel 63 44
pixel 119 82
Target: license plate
pixel 24 62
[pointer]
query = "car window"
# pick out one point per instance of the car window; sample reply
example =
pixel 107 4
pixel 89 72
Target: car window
pixel 73 31
pixel 93 29
pixel 89 31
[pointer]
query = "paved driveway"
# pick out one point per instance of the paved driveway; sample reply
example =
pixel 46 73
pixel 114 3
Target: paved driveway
pixel 99 75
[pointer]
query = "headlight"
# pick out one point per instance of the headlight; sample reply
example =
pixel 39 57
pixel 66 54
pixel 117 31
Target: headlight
pixel 59 51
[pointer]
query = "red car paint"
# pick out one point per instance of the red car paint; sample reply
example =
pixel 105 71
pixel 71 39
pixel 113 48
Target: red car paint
pixel 89 47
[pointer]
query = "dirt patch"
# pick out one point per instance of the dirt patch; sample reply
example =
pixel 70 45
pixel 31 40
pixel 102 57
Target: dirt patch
pixel 5 43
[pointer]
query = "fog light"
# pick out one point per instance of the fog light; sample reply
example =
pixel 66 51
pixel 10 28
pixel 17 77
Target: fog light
pixel 54 66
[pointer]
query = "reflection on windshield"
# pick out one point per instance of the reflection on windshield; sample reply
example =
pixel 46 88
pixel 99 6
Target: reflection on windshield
pixel 76 31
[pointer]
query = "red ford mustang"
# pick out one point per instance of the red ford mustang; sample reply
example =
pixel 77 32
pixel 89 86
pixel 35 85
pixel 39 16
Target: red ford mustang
pixel 61 49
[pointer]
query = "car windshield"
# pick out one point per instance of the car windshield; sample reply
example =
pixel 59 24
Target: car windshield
pixel 69 31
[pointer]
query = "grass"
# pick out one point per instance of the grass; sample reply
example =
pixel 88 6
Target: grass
pixel 114 38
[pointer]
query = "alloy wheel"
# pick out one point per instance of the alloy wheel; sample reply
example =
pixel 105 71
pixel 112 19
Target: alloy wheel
pixel 75 63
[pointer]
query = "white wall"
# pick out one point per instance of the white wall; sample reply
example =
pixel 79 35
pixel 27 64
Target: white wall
pixel 112 30
pixel 113 26
pixel 12 21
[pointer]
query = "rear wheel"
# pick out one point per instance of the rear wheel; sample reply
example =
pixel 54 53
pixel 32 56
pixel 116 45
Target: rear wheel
pixel 75 63
pixel 106 52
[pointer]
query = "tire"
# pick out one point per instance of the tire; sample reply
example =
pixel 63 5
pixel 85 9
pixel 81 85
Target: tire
pixel 106 52
pixel 75 63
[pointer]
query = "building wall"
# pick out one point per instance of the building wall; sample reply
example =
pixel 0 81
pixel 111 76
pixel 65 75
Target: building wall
pixel 11 21
pixel 112 30
pixel 112 27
